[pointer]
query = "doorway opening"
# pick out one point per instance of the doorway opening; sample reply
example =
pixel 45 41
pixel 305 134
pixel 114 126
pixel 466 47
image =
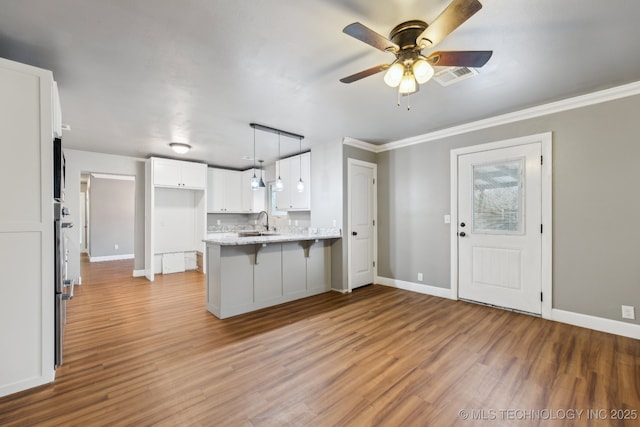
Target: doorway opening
pixel 107 215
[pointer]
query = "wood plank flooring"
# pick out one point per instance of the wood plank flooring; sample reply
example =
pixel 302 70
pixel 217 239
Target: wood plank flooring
pixel 140 354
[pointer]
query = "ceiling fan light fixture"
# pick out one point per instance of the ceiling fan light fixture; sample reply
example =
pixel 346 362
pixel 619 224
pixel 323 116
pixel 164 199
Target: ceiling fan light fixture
pixel 394 74
pixel 179 147
pixel 422 71
pixel 407 84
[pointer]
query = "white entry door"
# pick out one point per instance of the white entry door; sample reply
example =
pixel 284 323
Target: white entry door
pixel 361 223
pixel 499 227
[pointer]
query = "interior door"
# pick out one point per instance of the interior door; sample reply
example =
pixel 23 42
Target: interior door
pixel 361 234
pixel 499 227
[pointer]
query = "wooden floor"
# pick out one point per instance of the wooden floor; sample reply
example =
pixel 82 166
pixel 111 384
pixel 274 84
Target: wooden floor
pixel 150 354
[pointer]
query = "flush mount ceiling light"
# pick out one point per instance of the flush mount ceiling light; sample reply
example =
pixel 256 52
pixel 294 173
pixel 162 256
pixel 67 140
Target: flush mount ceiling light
pixel 180 147
pixel 407 40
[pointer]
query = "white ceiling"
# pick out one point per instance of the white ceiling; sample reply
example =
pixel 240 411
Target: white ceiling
pixel 135 75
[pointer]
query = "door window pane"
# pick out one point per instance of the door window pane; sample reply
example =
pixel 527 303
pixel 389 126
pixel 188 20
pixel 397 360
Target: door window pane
pixel 497 197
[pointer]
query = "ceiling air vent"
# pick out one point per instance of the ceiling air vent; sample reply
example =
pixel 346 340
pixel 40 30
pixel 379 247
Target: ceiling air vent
pixel 452 75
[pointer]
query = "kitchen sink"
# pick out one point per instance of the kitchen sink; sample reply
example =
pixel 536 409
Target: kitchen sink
pixel 254 233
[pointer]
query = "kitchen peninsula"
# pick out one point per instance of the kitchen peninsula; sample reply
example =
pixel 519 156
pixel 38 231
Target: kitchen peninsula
pixel 247 273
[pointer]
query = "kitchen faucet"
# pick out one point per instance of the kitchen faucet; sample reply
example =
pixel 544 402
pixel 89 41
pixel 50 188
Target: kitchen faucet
pixel 267 216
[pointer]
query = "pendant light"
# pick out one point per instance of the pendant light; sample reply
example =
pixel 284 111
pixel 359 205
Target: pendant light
pixel 261 184
pixel 300 186
pixel 254 180
pixel 279 184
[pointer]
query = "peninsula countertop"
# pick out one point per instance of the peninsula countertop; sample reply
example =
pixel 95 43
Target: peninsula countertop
pixel 233 239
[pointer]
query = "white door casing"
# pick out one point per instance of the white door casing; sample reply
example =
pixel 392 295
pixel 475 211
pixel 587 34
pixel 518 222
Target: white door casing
pixel 502 193
pixel 361 223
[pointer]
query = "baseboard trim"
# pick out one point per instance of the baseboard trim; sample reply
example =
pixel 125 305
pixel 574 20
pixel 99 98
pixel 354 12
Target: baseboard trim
pixel 415 287
pixel 616 327
pixel 342 291
pixel 110 257
pixel 138 273
pixel 601 324
pixel 28 383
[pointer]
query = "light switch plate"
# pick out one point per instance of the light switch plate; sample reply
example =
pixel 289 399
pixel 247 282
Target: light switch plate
pixel 447 219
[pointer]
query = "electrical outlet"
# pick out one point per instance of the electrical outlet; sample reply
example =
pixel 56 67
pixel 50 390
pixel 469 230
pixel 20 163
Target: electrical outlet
pixel 116 246
pixel 419 277
pixel 628 312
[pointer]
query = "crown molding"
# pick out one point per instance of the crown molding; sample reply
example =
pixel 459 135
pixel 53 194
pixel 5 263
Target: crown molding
pixel 598 97
pixel 361 144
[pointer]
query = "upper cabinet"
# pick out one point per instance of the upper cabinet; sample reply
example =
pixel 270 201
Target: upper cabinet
pixel 291 170
pixel 179 174
pixel 56 111
pixel 229 191
pixel 223 195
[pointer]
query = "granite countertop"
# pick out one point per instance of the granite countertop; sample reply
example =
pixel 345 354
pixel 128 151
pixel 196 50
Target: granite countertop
pixel 230 239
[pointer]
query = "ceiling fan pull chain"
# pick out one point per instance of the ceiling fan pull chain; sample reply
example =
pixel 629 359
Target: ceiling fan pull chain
pixel 398 93
pixel 408 105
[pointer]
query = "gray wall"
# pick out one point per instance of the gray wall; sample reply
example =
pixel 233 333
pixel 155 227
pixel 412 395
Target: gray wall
pixel 112 216
pixel 83 161
pixel 595 206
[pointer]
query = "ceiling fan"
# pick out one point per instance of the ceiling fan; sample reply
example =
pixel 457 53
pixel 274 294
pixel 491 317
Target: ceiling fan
pixel 407 40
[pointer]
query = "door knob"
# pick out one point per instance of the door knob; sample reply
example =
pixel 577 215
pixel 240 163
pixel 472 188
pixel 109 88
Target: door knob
pixel 462 234
pixel 354 233
pixel 462 224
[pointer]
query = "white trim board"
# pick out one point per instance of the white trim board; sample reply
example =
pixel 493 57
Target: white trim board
pixel 420 288
pixel 361 144
pixel 593 98
pixel 601 324
pixel 110 258
pixel 138 273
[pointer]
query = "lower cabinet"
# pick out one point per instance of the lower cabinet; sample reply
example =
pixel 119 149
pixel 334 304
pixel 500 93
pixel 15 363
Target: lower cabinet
pixel 267 274
pixel 319 266
pixel 294 268
pixel 244 278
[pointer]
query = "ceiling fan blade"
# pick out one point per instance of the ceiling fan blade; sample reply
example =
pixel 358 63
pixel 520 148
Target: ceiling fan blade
pixel 366 73
pixel 451 18
pixel 370 37
pixel 462 58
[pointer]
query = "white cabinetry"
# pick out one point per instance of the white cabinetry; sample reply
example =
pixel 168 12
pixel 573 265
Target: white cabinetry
pixel 179 174
pixel 224 194
pixel 252 200
pixel 26 227
pixel 291 170
pixel 175 209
